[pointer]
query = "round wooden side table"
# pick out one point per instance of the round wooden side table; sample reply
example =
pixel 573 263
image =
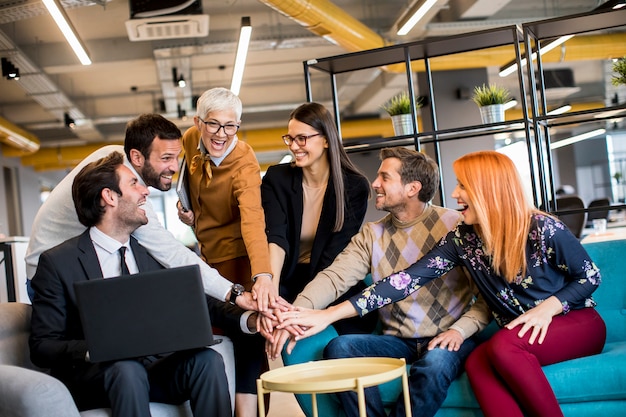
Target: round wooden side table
pixel 334 375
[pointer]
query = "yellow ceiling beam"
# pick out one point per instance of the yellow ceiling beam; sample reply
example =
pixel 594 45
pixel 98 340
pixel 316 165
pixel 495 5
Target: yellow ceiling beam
pixel 63 157
pixel 579 48
pixel 20 141
pixel 261 140
pixel 516 113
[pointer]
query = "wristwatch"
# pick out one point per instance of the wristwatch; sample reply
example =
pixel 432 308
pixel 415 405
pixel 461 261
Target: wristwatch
pixel 235 291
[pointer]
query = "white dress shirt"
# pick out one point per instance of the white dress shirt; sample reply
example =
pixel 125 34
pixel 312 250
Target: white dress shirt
pixel 107 250
pixel 56 221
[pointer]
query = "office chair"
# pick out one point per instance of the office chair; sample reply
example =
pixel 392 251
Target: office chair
pixel 600 214
pixel 575 222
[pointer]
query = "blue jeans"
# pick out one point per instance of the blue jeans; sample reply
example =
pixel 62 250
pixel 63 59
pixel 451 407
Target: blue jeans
pixel 429 377
pixel 29 290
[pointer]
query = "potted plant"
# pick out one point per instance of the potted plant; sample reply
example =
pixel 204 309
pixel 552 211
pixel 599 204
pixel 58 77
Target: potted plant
pixel 619 67
pixel 399 108
pixel 490 99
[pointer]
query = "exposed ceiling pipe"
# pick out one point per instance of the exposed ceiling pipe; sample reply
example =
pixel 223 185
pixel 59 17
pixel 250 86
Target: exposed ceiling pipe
pixel 325 19
pixel 24 142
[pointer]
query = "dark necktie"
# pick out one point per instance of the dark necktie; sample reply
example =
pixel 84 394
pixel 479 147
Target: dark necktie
pixel 124 267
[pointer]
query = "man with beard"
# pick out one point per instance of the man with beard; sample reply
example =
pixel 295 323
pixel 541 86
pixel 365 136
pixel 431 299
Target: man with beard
pixel 431 329
pixel 151 150
pixel 110 201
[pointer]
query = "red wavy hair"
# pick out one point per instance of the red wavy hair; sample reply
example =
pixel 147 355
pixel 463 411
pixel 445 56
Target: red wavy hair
pixel 502 208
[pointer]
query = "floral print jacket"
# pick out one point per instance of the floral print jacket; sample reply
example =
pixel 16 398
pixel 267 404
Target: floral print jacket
pixel 557 264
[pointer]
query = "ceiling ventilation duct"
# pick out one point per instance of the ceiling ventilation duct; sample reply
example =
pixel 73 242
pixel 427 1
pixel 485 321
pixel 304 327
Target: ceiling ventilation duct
pixel 166 19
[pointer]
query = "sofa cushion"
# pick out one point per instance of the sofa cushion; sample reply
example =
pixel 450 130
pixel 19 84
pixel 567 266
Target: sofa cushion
pixel 14 331
pixel 25 392
pixel 156 410
pixel 590 386
pixel 611 294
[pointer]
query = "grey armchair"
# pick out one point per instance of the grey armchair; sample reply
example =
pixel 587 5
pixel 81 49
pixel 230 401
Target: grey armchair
pixel 26 391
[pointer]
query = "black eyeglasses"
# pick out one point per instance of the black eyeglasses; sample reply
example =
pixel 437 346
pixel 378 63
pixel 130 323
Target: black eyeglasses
pixel 213 127
pixel 299 139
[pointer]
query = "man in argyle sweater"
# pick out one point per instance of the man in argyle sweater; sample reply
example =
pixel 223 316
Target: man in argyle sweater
pixel 431 328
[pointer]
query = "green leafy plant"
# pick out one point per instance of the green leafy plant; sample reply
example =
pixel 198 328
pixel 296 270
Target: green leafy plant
pixel 618 177
pixel 486 95
pixel 619 67
pixel 400 104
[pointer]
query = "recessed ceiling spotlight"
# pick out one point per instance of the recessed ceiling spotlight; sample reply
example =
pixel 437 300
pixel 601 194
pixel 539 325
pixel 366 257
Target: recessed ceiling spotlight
pixel 10 71
pixel 69 122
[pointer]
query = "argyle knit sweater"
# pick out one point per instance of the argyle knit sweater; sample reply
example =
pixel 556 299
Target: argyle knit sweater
pixel 387 246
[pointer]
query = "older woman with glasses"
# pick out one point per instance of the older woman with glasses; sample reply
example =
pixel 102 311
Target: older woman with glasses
pixel 314 205
pixel 224 188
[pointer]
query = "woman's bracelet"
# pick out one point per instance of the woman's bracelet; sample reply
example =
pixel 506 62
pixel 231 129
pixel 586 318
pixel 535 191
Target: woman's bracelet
pixel 267 274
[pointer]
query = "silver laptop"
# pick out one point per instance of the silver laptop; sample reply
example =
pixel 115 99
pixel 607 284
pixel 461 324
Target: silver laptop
pixel 144 314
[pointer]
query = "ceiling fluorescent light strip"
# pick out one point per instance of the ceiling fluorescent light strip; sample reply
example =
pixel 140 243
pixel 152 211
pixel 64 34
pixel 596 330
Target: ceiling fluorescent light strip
pixel 512 67
pixel 577 138
pixel 559 110
pixel 509 104
pixel 60 17
pixel 417 16
pixel 242 52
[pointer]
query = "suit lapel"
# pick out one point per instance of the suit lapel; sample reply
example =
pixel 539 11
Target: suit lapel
pixel 87 256
pixel 145 262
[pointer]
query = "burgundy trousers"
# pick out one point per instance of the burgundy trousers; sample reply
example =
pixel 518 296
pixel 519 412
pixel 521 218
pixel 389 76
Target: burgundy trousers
pixel 505 371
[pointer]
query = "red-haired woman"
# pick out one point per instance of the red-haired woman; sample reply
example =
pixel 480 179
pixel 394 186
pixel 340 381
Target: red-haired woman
pixel 534 274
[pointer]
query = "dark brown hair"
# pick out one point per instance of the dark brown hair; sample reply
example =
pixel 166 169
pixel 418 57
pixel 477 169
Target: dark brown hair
pixel 89 183
pixel 415 166
pixel 320 119
pixel 140 133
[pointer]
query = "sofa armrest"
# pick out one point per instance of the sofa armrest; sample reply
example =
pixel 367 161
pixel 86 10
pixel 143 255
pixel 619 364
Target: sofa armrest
pixel 226 349
pixel 26 393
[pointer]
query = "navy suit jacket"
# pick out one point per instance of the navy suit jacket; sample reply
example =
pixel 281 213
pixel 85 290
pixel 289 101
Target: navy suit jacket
pixel 57 340
pixel 282 196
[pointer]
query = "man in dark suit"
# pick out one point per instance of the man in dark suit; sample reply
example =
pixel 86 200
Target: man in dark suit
pixel 108 198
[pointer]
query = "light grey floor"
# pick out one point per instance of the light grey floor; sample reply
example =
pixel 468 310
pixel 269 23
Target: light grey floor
pixel 283 404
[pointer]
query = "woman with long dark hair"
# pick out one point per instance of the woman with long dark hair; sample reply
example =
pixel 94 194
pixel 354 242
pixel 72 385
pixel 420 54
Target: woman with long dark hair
pixel 315 204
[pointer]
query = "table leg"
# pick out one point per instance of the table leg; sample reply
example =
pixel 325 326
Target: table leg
pixel 407 396
pixel 260 395
pixel 361 395
pixel 314 404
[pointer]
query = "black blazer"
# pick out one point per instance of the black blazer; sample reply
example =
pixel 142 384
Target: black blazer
pixel 57 340
pixel 282 197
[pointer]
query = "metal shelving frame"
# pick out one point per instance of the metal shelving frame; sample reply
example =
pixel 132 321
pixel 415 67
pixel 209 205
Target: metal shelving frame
pixel 534 122
pixel 426 50
pixel 536 33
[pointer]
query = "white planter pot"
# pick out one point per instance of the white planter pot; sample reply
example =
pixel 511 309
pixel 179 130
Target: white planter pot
pixel 402 124
pixel 492 114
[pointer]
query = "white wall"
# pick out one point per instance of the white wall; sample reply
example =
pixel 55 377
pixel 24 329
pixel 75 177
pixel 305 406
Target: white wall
pixel 29 183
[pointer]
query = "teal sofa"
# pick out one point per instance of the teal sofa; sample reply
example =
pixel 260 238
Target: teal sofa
pixel 585 387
